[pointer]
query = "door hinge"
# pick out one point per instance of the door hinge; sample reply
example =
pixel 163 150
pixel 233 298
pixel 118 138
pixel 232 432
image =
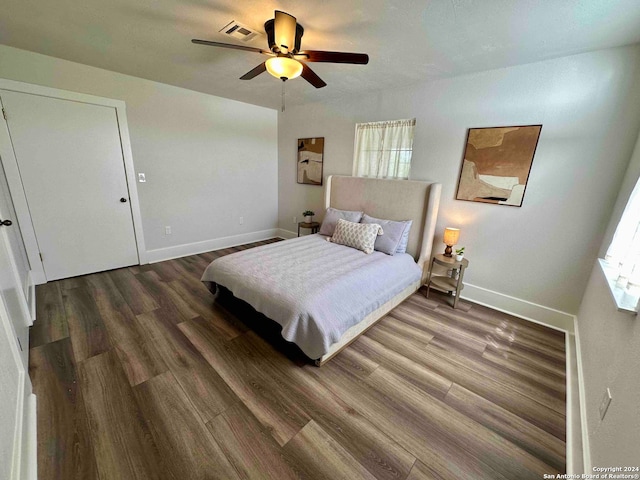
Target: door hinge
pixel 41 259
pixel 4 113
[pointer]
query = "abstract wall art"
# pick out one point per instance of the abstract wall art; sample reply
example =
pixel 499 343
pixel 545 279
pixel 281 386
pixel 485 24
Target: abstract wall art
pixel 496 164
pixel 310 156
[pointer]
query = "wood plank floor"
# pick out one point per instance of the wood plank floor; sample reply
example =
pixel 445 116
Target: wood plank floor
pixel 140 373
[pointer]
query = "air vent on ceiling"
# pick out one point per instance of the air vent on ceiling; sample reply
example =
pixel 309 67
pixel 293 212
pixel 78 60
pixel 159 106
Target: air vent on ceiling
pixel 237 30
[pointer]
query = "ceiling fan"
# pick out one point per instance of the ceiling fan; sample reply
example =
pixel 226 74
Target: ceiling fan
pixel 287 60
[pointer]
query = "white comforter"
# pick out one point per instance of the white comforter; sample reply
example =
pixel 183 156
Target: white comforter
pixel 314 288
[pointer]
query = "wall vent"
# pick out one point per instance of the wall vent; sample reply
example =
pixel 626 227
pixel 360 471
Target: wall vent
pixel 239 31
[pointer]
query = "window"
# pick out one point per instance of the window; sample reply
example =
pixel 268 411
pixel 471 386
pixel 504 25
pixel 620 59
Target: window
pixel 383 149
pixel 622 262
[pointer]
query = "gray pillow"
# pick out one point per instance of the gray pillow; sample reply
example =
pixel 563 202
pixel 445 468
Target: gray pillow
pixel 390 242
pixel 333 215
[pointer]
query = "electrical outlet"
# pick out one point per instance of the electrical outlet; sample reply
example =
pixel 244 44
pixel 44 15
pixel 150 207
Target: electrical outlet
pixel 604 403
pixel 142 178
pixel 295 220
pixel 167 230
pixel 241 220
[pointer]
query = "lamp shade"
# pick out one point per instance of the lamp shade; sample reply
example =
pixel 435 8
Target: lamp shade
pixel 451 236
pixel 283 67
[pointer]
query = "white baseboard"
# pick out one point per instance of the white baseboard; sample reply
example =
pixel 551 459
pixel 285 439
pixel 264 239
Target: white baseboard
pixel 519 308
pixel 570 441
pixel 574 428
pixel 161 254
pixel 25 441
pixel 586 449
pixel 286 234
pixel 29 467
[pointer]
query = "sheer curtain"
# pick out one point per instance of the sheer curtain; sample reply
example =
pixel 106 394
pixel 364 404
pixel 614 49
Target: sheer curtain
pixel 624 251
pixel 383 149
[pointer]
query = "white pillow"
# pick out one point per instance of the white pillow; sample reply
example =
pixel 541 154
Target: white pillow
pixel 357 235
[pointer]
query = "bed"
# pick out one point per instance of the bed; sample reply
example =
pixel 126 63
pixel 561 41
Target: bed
pixel 323 294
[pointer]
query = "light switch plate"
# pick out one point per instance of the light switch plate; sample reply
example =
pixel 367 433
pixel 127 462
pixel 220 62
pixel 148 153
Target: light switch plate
pixel 141 178
pixel 604 403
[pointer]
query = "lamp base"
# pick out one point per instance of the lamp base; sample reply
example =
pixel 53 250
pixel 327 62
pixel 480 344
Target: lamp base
pixel 448 250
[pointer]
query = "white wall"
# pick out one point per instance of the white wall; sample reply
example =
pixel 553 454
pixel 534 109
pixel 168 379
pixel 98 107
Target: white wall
pixel 542 252
pixel 610 355
pixel 208 160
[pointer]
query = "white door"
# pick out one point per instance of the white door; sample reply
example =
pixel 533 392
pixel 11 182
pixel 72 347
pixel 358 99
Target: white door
pixel 13 272
pixel 72 169
pixel 11 387
pixel 15 387
pixel 17 404
pixel 16 242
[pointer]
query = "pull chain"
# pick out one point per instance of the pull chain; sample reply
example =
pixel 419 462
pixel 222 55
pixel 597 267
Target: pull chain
pixel 283 80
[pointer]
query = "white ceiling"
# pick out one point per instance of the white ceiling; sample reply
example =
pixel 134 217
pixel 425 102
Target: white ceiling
pixel 408 41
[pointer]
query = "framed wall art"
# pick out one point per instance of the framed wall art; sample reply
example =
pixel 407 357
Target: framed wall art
pixel 496 164
pixel 309 164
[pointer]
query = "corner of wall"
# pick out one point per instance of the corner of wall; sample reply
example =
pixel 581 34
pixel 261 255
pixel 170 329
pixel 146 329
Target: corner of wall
pixel 286 234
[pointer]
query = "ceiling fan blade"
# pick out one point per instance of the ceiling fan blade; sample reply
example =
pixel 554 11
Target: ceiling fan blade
pixel 311 77
pixel 334 57
pixel 255 72
pixel 230 45
pixel 284 27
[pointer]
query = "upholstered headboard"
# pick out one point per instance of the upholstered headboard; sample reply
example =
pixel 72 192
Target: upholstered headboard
pixel 392 200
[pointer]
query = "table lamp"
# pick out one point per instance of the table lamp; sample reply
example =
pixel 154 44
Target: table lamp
pixel 451 236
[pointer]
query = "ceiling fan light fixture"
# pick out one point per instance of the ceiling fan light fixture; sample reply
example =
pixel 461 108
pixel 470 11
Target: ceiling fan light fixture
pixel 284 67
pixel 284 37
pixel 285 31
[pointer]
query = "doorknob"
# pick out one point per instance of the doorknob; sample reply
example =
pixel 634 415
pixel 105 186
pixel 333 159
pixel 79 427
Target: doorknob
pixel 123 200
pixel 6 223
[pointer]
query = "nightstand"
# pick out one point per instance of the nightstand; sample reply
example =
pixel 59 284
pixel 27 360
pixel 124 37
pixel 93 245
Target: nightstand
pixel 314 226
pixel 452 284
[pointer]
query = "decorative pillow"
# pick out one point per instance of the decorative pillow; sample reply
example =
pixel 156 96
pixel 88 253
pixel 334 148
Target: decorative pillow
pixel 357 235
pixel 333 215
pixel 394 232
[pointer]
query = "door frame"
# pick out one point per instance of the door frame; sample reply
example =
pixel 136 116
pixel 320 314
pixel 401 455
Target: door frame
pixel 24 438
pixel 15 182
